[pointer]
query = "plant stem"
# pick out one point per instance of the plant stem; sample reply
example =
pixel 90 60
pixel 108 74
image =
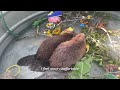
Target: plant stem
pixel 81 72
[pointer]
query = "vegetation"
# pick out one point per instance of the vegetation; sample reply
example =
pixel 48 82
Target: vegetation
pixel 98 51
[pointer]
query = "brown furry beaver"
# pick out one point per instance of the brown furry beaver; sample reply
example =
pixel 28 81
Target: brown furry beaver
pixel 48 46
pixel 45 51
pixel 69 52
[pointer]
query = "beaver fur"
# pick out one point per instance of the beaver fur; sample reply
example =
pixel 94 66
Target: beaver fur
pixel 48 46
pixel 45 51
pixel 69 52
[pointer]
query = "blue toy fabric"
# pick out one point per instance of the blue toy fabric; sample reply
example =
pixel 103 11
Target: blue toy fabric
pixel 55 13
pixel 82 25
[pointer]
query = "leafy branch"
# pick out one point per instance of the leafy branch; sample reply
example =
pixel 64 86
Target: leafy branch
pixel 84 67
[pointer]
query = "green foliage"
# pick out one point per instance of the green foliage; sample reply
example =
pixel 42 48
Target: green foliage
pixel 95 39
pixel 39 21
pixel 84 67
pixel 108 76
pixel 98 52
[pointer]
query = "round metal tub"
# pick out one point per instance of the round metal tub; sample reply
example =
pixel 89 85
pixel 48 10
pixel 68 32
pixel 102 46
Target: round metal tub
pixel 11 50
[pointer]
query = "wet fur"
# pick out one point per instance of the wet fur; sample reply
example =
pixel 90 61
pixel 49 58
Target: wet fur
pixel 48 46
pixel 69 52
pixel 44 52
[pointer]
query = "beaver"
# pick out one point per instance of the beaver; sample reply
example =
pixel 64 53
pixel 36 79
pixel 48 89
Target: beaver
pixel 48 46
pixel 45 51
pixel 68 53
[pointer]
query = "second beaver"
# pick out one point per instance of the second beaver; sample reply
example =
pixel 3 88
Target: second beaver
pixel 69 52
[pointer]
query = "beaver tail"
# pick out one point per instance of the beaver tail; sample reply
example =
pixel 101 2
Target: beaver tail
pixel 26 61
pixel 33 63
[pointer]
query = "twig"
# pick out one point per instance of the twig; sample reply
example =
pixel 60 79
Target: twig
pixel 107 34
pixel 67 21
pixel 73 23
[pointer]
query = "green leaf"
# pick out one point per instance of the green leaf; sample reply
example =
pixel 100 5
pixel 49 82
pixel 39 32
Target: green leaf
pixel 100 63
pixel 35 24
pixel 85 77
pixel 110 76
pixel 84 67
pixel 111 61
pixel 87 58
